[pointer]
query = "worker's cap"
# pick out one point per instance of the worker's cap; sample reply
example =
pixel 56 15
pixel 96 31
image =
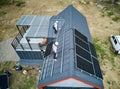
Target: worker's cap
pixel 56 21
pixel 56 43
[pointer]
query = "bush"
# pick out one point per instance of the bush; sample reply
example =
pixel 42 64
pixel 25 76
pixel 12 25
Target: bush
pixel 20 3
pixel 12 2
pixel 110 13
pixel 1 71
pixel 116 19
pixel 108 82
pixel 5 2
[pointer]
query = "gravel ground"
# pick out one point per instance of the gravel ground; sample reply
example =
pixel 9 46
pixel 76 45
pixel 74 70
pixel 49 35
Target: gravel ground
pixel 7 52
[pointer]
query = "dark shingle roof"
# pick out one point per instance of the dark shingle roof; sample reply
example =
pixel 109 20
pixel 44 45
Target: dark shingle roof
pixel 74 19
pixel 65 65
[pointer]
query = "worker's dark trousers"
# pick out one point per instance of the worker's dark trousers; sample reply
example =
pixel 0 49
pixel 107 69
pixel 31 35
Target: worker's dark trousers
pixel 55 31
pixel 54 55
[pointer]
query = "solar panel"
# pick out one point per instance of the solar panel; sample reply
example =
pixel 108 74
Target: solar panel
pixel 97 68
pixel 84 65
pixel 83 53
pixel 86 58
pixel 48 49
pixel 92 48
pixel 81 43
pixel 81 36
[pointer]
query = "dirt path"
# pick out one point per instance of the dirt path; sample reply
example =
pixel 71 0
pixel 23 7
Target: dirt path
pixel 7 53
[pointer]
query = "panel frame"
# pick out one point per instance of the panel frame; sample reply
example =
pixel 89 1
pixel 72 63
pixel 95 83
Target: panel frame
pixel 98 65
pixel 86 40
pixel 93 73
pixel 84 69
pixel 76 37
pixel 84 51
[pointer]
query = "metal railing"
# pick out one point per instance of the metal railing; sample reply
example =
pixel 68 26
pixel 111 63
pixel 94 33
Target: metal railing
pixel 19 36
pixel 16 41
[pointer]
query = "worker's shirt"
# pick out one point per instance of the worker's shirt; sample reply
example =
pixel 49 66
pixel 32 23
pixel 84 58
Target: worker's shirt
pixel 56 26
pixel 54 47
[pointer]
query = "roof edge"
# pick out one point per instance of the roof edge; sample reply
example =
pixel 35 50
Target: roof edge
pixel 95 86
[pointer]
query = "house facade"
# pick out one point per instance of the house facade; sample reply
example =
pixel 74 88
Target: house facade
pixel 76 65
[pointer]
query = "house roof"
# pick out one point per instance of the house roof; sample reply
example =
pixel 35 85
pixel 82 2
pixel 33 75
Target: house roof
pixel 74 19
pixel 32 20
pixel 66 65
pixel 38 27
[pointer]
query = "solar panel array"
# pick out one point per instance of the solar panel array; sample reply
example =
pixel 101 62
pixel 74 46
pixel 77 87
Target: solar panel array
pixel 86 58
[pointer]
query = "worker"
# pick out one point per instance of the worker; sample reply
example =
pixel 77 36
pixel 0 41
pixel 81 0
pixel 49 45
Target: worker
pixel 55 26
pixel 7 72
pixel 54 47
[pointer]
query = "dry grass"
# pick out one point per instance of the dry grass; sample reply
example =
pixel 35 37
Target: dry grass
pixel 101 27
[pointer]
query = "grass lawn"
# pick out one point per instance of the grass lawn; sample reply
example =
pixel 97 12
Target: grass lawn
pixel 18 80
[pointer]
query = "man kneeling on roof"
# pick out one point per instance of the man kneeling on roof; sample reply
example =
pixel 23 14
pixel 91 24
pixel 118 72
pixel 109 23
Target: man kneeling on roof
pixel 54 47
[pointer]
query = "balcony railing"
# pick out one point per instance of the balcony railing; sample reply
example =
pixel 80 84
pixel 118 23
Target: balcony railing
pixel 22 30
